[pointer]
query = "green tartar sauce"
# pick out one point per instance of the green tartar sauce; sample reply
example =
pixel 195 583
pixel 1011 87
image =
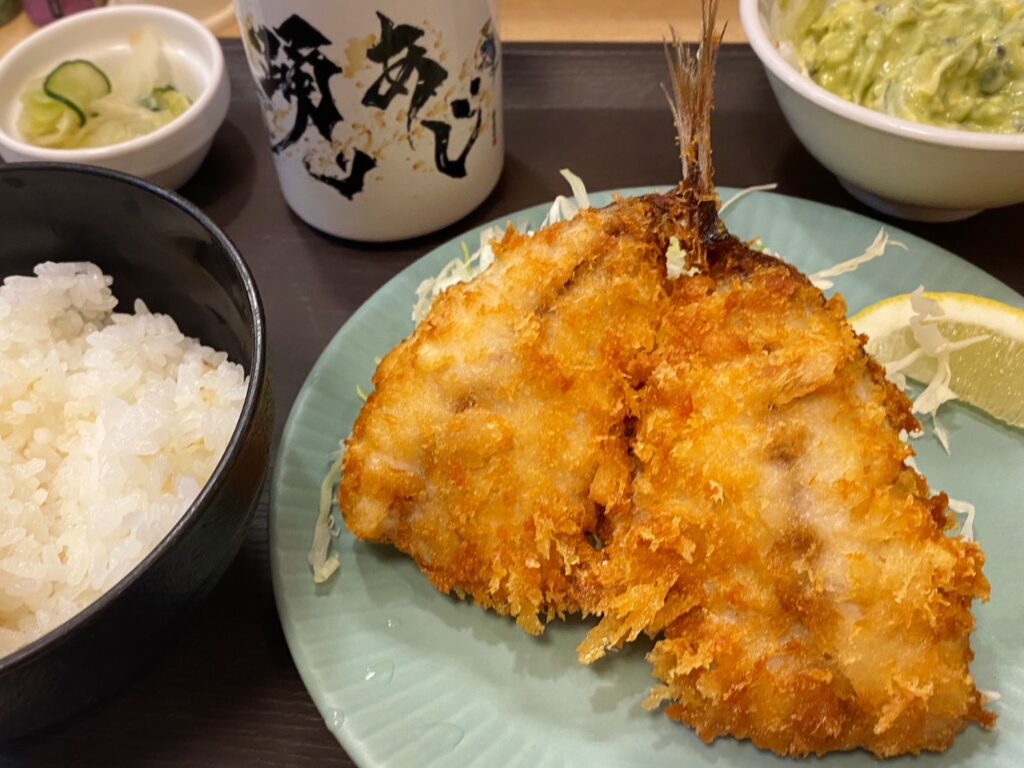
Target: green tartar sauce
pixel 951 63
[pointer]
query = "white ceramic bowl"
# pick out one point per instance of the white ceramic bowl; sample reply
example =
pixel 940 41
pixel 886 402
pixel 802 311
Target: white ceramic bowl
pixel 902 168
pixel 167 156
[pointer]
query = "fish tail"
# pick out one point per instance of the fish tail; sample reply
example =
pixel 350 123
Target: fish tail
pixel 691 100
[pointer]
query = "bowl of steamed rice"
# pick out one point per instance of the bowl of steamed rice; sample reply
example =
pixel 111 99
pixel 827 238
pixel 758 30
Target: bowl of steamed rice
pixel 135 426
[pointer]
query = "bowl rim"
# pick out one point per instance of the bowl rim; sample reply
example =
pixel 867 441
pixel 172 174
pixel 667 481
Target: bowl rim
pixel 776 64
pixel 258 379
pixel 94 16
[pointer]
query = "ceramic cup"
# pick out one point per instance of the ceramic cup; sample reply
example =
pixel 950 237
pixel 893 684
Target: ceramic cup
pixel 384 115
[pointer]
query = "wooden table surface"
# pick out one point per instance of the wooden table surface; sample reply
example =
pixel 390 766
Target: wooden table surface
pixel 226 693
pixel 552 20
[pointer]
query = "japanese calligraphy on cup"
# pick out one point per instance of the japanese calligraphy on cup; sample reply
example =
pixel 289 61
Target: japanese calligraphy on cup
pixel 384 115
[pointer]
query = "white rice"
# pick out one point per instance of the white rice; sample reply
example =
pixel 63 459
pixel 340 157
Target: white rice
pixel 110 424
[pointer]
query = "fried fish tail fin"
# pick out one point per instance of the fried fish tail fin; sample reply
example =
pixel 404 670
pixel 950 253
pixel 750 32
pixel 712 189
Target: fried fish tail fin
pixel 692 99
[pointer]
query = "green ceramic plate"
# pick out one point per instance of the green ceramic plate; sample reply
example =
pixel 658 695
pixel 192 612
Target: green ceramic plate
pixel 405 676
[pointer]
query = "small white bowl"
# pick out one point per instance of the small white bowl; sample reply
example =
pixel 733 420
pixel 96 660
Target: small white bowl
pixel 169 155
pixel 906 169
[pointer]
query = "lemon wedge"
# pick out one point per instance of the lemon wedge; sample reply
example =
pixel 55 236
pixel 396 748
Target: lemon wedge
pixel 955 343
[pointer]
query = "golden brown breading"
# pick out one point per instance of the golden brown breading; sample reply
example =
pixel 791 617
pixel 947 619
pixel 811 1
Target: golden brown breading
pixel 495 432
pixel 727 439
pixel 808 594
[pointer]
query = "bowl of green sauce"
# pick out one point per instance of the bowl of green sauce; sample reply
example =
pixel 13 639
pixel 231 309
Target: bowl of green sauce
pixel 916 105
pixel 137 89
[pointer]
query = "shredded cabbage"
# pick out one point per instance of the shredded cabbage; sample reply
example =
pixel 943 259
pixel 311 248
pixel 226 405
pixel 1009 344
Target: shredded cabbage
pixel 967 509
pixel 579 190
pixel 877 248
pixel 931 343
pixel 321 559
pixel 675 260
pixel 744 192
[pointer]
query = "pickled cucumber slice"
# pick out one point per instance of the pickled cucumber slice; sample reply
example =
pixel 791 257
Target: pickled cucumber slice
pixel 77 84
pixel 167 99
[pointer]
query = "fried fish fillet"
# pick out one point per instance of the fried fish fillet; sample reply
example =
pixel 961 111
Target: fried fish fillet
pixel 495 433
pixel 797 570
pixel 713 461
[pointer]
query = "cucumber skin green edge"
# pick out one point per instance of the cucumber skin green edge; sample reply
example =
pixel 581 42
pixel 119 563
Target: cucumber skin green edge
pixel 64 100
